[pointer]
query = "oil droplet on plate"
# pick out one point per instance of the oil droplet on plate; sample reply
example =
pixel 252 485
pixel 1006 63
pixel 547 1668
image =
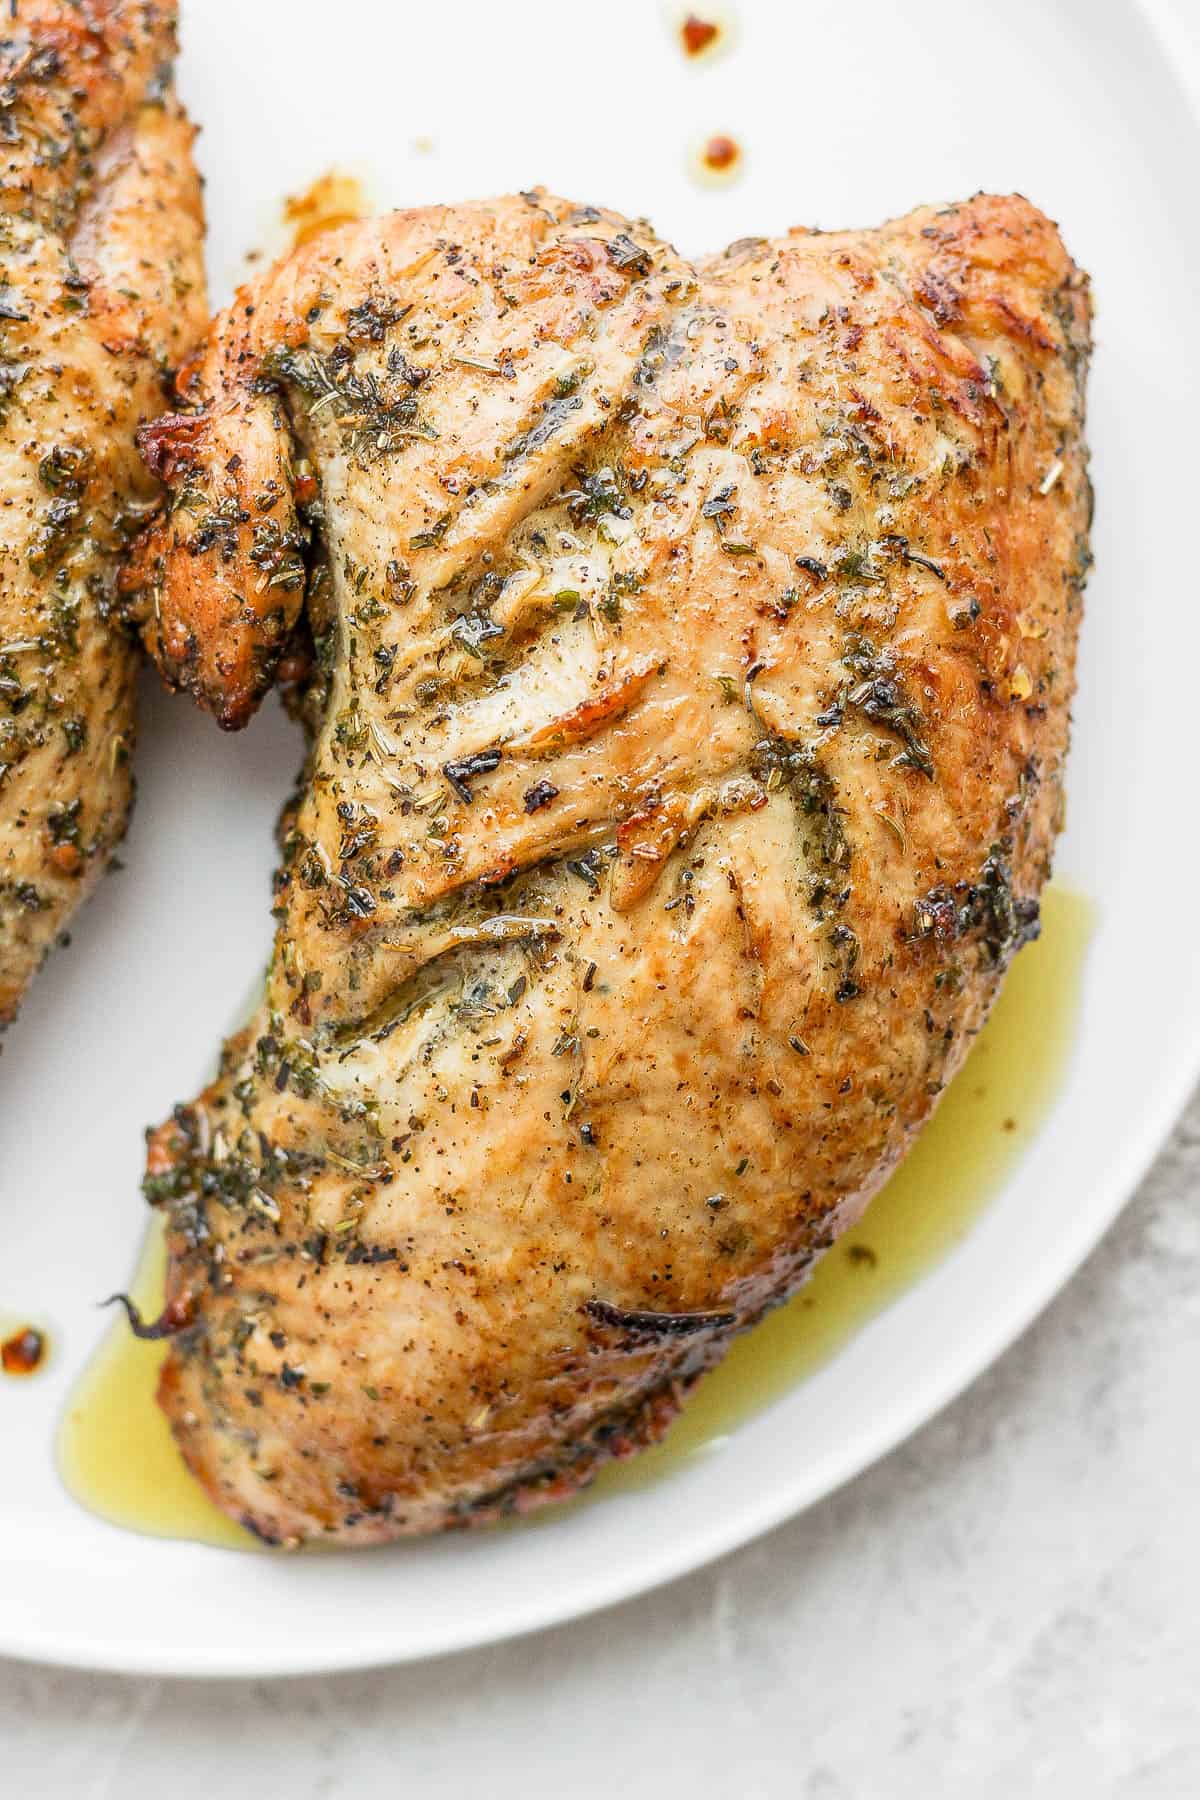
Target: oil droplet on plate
pixel 989 1114
pixel 718 161
pixel 332 199
pixel 703 34
pixel 116 1455
pixel 24 1349
pixel 698 35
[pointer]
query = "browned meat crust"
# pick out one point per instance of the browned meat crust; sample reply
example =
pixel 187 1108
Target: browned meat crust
pixel 694 650
pixel 102 288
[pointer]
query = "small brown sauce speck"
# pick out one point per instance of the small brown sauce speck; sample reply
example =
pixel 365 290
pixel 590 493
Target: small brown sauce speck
pixel 721 154
pixel 333 199
pixel 24 1352
pixel 698 35
pixel 716 161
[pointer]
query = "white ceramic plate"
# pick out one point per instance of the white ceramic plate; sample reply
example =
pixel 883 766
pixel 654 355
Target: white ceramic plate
pixel 849 113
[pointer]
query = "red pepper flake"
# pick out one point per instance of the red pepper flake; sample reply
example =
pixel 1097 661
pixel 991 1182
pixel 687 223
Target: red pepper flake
pixel 698 34
pixel 720 154
pixel 24 1352
pixel 66 859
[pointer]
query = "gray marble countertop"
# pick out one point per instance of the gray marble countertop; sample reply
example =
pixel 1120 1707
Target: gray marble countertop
pixel 1007 1608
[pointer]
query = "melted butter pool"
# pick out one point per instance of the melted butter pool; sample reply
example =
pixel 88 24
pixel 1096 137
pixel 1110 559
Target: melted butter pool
pixel 115 1451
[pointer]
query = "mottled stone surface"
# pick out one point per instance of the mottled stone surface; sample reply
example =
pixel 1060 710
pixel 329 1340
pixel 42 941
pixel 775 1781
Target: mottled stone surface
pixel 1009 1606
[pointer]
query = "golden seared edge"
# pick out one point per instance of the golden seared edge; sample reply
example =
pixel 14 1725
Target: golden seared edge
pixel 101 291
pixel 691 657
